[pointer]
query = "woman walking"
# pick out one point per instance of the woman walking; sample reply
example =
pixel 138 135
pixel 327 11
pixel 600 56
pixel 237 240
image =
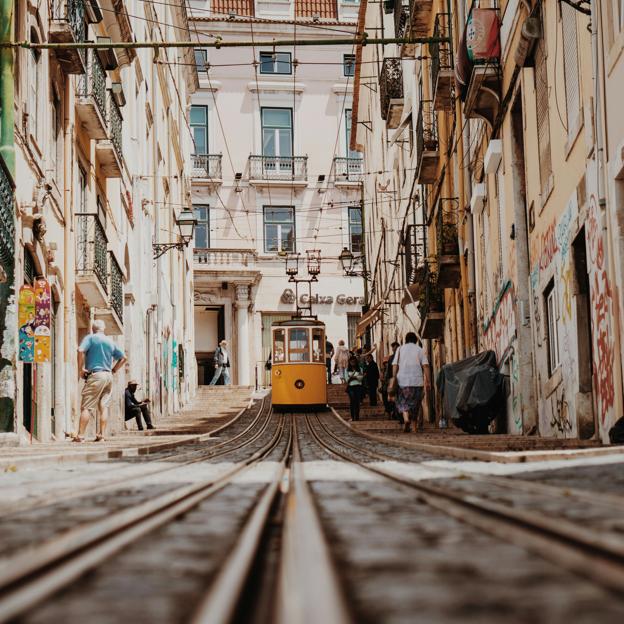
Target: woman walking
pixel 353 377
pixel 411 369
pixel 341 358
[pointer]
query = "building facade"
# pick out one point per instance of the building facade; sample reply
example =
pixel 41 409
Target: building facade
pixel 101 170
pixel 500 192
pixel 273 175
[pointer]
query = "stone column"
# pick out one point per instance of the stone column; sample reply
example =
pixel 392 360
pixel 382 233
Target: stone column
pixel 243 352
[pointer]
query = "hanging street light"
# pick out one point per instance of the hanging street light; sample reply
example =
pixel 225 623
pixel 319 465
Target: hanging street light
pixel 349 262
pixel 186 223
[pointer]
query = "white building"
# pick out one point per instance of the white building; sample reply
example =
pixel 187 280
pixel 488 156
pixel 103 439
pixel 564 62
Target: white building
pixel 273 174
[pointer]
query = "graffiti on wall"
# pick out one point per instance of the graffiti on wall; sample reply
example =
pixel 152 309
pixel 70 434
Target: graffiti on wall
pixel 601 310
pixel 500 330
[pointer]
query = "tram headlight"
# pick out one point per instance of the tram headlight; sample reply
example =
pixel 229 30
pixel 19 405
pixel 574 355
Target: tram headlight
pixel 299 384
pixel 278 372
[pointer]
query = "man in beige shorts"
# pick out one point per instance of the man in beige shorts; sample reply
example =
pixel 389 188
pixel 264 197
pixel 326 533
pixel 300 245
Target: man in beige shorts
pixel 96 355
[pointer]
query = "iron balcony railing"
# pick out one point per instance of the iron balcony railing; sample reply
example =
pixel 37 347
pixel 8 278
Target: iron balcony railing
pixel 348 169
pixel 7 220
pixel 116 288
pixel 441 51
pixel 93 83
pixel 115 121
pixel 73 12
pixel 426 130
pixel 92 256
pixel 390 84
pixel 446 229
pixel 415 250
pixel 401 17
pixel 278 168
pixel 207 166
pixel 431 298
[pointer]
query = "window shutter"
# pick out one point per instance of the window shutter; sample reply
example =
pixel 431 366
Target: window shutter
pixel 543 124
pixel 570 65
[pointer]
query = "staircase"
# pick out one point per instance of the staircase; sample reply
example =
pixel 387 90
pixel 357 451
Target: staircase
pixel 211 407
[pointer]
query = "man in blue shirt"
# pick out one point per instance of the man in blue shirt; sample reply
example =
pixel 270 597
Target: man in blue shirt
pixel 98 359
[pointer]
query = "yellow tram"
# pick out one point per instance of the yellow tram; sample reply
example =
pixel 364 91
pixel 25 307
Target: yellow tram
pixel 298 375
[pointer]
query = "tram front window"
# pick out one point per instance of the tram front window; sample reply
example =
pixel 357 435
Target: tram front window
pixel 298 345
pixel 279 346
pixel 318 345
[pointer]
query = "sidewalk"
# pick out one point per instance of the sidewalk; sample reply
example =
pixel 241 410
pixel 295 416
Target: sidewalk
pixel 212 408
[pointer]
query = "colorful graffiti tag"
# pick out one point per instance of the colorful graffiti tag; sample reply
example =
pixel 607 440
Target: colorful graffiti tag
pixel 500 330
pixel 601 310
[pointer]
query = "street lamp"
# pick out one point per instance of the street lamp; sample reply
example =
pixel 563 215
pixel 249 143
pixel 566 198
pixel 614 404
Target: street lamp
pixel 348 263
pixel 292 264
pixel 313 262
pixel 313 266
pixel 186 223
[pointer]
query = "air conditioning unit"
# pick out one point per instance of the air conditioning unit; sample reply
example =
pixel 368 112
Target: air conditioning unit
pixel 479 197
pixel 493 156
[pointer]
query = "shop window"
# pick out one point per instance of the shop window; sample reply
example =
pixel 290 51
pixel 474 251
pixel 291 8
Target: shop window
pixel 552 330
pixel 279 229
pixel 298 345
pixel 279 346
pixel 275 63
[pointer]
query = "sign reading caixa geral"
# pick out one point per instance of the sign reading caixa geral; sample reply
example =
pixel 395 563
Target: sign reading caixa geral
pixel 288 296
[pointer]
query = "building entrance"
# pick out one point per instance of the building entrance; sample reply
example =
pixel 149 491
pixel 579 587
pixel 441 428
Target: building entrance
pixel 209 331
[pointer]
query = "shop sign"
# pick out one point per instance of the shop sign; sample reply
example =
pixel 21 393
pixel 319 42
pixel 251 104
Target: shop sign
pixel 34 319
pixel 288 296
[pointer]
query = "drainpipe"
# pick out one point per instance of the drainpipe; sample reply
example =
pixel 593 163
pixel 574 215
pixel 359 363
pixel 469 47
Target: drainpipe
pixel 8 322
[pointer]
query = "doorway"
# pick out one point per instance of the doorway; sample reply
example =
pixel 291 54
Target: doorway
pixel 209 331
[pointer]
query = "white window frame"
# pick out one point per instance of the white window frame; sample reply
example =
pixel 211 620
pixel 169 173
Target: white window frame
pixel 552 328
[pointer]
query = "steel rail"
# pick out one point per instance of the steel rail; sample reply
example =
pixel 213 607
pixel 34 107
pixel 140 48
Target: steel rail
pixel 225 593
pixel 28 578
pixel 578 549
pixel 309 589
pixel 605 500
pixel 71 492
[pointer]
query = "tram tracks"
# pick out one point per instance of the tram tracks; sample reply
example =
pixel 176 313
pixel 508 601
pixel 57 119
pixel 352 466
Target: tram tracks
pixel 184 459
pixel 580 549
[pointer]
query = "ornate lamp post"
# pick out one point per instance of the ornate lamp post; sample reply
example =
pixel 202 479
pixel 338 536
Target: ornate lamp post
pixel 186 223
pixel 349 263
pixel 313 267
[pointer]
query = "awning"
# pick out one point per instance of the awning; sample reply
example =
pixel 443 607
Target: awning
pixel 414 293
pixel 368 319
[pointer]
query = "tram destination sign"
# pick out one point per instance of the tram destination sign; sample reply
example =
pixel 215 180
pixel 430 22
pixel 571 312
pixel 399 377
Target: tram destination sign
pixel 288 296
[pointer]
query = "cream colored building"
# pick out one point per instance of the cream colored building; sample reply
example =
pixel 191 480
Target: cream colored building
pixel 509 159
pixel 102 163
pixel 272 175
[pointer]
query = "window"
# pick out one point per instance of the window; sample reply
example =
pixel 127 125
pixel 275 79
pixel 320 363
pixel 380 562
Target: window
pixel 348 64
pixel 318 346
pixel 199 126
pixel 279 228
pixel 277 134
pixel 202 228
pixel 352 322
pixel 275 63
pixel 35 90
pixel 56 144
pixel 543 123
pixel 355 229
pixel 279 346
pixel 82 190
pixel 552 338
pixel 201 59
pixel 298 345
pixel 571 66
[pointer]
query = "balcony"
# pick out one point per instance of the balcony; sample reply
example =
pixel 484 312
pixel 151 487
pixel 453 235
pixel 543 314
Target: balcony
pixel 108 151
pixel 91 98
pixel 478 73
pixel 401 26
pixel 427 146
pixel 69 25
pixel 391 91
pixel 431 307
pixel 348 171
pixel 112 314
pixel 447 243
pixel 225 265
pixel 420 17
pixel 92 260
pixel 207 169
pixel 415 261
pixel 278 170
pixel 442 76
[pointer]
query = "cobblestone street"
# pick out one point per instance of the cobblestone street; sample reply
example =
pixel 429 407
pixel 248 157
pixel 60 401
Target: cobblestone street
pixel 400 550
